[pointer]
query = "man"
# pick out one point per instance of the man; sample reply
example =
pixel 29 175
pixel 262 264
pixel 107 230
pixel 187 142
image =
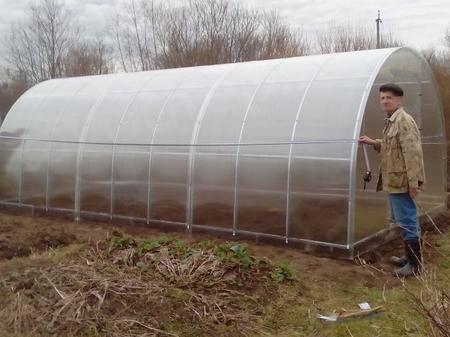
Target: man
pixel 401 174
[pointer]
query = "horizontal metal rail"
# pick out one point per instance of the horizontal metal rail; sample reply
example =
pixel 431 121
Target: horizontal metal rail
pixel 300 142
pixel 316 141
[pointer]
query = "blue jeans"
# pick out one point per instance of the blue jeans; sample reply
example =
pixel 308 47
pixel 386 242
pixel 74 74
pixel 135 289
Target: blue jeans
pixel 404 212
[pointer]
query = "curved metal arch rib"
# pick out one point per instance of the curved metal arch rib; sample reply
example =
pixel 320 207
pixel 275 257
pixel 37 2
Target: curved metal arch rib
pixel 236 168
pixel 294 130
pixel 152 140
pixel 192 152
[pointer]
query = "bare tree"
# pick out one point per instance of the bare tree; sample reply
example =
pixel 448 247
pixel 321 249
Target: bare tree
pixel 47 44
pixel 38 44
pixel 89 58
pixel 138 35
pixel 151 35
pixel 447 37
pixel 279 40
pixel 439 58
pixel 342 38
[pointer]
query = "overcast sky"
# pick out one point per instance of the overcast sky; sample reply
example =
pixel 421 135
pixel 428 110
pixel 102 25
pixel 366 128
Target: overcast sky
pixel 419 23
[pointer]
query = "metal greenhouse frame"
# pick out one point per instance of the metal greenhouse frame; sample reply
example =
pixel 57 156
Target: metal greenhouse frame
pixel 264 149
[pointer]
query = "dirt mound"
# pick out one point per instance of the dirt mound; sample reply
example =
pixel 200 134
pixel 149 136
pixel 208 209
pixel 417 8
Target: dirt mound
pixel 127 287
pixel 14 244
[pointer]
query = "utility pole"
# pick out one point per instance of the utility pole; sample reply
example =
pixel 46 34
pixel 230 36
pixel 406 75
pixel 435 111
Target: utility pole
pixel 378 21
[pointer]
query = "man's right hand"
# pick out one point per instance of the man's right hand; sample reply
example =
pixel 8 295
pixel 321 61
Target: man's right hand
pixel 366 140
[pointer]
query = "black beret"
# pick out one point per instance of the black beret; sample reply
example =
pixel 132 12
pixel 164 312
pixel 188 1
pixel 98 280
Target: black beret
pixel 392 87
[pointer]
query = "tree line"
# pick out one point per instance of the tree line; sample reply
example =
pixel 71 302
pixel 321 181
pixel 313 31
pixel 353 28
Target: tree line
pixel 150 34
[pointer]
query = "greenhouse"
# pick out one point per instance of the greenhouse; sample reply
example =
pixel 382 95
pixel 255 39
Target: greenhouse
pixel 263 150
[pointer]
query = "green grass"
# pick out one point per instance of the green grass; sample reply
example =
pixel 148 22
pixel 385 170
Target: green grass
pixel 294 312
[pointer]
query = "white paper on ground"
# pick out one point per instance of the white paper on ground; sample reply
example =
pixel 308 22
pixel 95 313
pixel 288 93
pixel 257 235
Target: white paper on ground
pixel 364 306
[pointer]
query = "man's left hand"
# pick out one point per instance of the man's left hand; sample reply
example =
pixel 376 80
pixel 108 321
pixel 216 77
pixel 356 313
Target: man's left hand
pixel 413 192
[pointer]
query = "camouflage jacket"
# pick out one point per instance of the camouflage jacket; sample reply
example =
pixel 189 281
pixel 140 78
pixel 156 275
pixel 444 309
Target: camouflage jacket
pixel 401 165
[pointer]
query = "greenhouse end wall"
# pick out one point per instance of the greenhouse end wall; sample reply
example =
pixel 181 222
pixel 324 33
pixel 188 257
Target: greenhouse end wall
pixel 264 149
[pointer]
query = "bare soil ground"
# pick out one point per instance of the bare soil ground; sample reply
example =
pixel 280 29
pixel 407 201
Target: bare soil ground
pixel 22 236
pixel 52 253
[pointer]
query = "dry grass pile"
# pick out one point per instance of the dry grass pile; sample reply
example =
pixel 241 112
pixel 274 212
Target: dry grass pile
pixel 432 302
pixel 125 287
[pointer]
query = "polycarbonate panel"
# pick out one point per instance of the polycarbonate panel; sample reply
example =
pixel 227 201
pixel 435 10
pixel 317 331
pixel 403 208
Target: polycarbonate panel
pixel 36 154
pixel 250 72
pixel 169 177
pixel 15 125
pixel 223 117
pixel 10 167
pixel 205 77
pixel 132 83
pixel 20 125
pixel 371 207
pixel 213 196
pixel 63 156
pixel 62 176
pixel 272 115
pixel 297 69
pixel 262 197
pixel 108 114
pixel 215 167
pixel 435 185
pixel 168 79
pixel 34 173
pixel 142 116
pixel 96 160
pixel 431 128
pixel 71 122
pixel 403 66
pixel 85 96
pixel 332 118
pixel 130 193
pixel 131 182
pixel 20 113
pixel 434 145
pixel 352 65
pixel 95 85
pixel 179 117
pixel 45 88
pixel 319 186
pixel 70 87
pixel 95 178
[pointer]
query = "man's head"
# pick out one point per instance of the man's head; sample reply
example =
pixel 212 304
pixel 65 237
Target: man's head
pixel 391 97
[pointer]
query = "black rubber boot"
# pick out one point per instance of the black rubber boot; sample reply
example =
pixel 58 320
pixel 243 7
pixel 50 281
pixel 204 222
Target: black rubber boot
pixel 399 261
pixel 414 257
pixel 402 260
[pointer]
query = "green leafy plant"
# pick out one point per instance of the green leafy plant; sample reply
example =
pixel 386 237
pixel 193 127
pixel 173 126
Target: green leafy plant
pixel 236 253
pixel 119 242
pixel 282 271
pixel 165 240
pixel 148 246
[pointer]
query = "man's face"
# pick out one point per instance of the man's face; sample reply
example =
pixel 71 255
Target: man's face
pixel 390 102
